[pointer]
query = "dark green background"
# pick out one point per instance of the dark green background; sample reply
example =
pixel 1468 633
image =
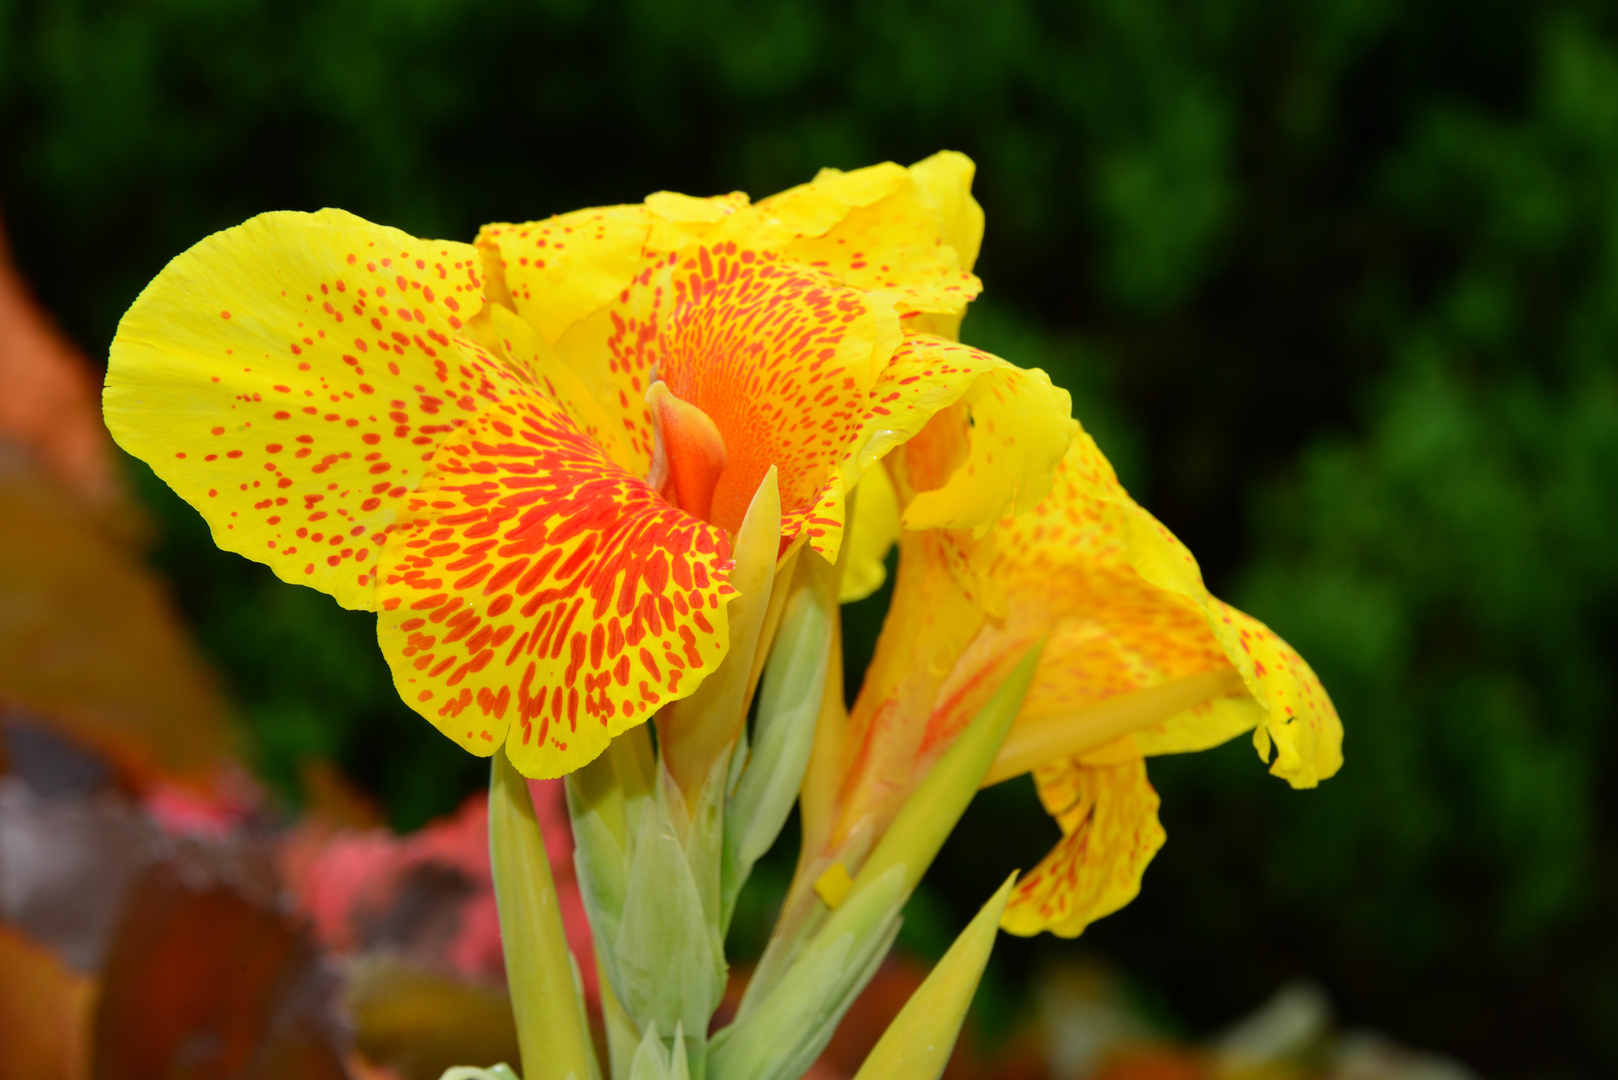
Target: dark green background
pixel 1335 283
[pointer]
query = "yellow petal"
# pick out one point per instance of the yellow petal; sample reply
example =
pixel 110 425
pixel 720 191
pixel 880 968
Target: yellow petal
pixel 291 377
pixel 811 209
pixel 1131 611
pixel 681 220
pixel 888 744
pixel 1011 431
pixel 894 246
pixel 538 595
pixel 1200 727
pixel 883 229
pixel 1108 816
pixel 1110 722
pixel 945 182
pixel 874 531
pixel 675 208
pixel 1299 718
pixel 562 269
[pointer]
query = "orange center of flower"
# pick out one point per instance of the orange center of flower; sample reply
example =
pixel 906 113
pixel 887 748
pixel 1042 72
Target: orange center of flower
pixel 688 452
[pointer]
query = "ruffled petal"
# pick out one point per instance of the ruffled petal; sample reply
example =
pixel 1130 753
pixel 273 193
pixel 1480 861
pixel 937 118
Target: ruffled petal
pixel 681 220
pixel 1128 609
pixel 912 232
pixel 291 377
pixel 998 451
pixel 538 595
pixel 1108 816
pixel 560 270
pixel 1299 719
pixel 812 209
pixel 944 181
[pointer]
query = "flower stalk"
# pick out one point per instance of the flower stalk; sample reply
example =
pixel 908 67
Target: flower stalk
pixel 545 997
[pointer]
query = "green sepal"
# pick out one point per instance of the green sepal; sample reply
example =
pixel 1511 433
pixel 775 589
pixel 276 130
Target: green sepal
pixel 917 1045
pixel 788 706
pixel 501 1071
pixel 605 802
pixel 654 1061
pixel 668 954
pixel 907 849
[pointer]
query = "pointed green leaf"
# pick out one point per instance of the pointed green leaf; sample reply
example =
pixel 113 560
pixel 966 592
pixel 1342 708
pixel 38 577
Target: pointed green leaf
pixel 918 1043
pixel 782 1032
pixel 623 1036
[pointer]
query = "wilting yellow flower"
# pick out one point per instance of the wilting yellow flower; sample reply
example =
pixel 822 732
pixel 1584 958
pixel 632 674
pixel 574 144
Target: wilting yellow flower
pixel 529 454
pixel 1139 659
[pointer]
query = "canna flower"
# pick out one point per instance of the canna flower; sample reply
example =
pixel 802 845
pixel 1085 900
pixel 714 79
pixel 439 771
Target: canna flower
pixel 1138 659
pixel 530 455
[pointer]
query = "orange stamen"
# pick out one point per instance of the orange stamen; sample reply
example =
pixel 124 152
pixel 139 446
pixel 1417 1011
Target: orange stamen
pixel 688 452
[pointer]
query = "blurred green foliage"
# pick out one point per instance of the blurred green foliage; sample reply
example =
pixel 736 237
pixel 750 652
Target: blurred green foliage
pixel 1336 283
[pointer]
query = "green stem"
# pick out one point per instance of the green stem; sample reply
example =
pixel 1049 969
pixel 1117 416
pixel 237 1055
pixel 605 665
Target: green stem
pixel 551 1027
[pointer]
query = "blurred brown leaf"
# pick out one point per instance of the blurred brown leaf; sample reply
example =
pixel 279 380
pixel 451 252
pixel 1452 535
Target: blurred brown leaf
pixel 417 1023
pixel 202 984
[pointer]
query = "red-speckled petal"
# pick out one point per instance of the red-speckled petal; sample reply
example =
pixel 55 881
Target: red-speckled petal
pixel 781 358
pixel 1002 444
pixel 1108 816
pixel 1130 610
pixel 539 595
pixel 291 377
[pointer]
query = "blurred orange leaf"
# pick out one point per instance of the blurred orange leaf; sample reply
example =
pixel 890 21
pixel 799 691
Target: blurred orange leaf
pixel 44 1012
pixel 89 642
pixel 50 397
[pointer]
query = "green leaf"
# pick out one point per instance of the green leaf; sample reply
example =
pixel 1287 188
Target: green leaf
pixel 918 1043
pixel 781 1034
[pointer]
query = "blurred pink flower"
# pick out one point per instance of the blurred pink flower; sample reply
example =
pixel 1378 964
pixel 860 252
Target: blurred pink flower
pixel 428 895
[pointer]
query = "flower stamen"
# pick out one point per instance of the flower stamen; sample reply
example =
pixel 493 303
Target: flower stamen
pixel 688 452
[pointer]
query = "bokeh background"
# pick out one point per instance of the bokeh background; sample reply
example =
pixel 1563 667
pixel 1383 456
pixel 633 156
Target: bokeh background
pixel 1335 284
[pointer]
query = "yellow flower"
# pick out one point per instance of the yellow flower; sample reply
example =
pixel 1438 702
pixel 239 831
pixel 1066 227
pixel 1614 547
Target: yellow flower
pixel 530 454
pixel 1139 659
